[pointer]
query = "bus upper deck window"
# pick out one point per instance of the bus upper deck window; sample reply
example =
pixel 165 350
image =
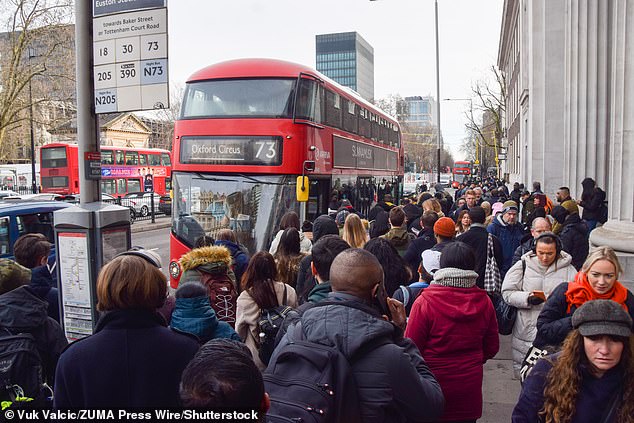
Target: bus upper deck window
pixel 106 158
pixel 155 159
pixel 119 157
pixel 132 158
pixel 165 158
pixel 143 159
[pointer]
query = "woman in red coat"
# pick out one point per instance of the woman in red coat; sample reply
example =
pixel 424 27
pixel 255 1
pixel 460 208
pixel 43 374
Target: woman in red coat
pixel 453 324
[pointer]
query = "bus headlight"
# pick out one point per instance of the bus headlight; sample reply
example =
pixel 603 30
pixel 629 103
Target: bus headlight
pixel 174 269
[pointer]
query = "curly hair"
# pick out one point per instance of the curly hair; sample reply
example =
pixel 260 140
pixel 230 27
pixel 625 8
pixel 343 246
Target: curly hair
pixel 564 380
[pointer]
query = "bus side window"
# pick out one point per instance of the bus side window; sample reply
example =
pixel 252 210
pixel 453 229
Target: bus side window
pixel 134 185
pixel 4 235
pixel 131 158
pixel 119 157
pixel 165 159
pixel 155 159
pixel 121 186
pixel 106 157
pixel 143 159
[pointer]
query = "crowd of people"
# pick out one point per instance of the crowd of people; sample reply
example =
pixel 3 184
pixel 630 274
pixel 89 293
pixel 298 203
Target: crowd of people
pixel 378 318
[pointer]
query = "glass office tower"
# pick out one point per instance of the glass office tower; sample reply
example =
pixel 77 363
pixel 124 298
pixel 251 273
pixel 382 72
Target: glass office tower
pixel 349 60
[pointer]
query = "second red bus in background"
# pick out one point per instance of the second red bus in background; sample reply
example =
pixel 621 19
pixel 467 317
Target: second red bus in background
pixel 123 170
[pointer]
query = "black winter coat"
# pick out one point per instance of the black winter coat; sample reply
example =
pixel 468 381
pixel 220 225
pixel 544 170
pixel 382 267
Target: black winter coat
pixel 592 205
pixel 477 238
pixel 412 256
pixel 306 281
pixel 574 239
pixel 394 383
pixel 22 311
pixel 42 285
pixel 555 323
pixel 132 360
pixel 524 248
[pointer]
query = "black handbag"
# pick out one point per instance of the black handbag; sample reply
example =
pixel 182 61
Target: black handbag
pixel 505 314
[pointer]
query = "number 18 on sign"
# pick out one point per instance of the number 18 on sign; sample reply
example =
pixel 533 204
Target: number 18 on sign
pixel 130 57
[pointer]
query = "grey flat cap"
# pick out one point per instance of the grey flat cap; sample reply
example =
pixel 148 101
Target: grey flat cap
pixel 602 317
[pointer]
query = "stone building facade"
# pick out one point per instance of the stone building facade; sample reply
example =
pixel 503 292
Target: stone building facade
pixel 570 103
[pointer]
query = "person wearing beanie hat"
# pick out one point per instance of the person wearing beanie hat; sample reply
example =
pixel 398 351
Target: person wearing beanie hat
pixel 445 227
pixel 477 238
pixel 506 228
pixel 22 311
pixel 445 233
pixel 599 351
pixel 509 205
pixel 573 234
pixel 12 275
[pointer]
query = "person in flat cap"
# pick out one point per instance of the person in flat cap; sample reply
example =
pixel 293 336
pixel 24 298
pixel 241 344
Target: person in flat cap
pixel 591 378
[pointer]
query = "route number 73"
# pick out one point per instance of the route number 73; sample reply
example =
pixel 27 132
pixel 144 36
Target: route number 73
pixel 266 150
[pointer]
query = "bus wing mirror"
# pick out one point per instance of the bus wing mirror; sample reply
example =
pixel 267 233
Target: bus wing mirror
pixel 302 189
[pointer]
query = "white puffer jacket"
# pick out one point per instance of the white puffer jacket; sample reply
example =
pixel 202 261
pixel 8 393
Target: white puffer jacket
pixel 517 286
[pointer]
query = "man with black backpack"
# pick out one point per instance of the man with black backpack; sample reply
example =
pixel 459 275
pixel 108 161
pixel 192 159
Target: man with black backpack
pixel 30 341
pixel 346 361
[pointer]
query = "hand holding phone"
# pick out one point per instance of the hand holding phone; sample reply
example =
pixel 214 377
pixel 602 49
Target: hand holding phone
pixel 536 297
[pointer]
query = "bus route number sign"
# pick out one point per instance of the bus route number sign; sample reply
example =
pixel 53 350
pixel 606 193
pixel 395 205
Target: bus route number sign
pixel 130 60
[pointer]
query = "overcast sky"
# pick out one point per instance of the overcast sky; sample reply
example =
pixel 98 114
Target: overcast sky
pixel 203 32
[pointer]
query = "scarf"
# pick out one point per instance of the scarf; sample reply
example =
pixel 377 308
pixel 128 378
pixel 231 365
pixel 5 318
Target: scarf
pixel 456 278
pixel 580 292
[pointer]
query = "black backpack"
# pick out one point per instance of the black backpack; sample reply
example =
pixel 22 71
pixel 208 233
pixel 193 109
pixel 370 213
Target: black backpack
pixel 21 372
pixel 311 382
pixel 268 326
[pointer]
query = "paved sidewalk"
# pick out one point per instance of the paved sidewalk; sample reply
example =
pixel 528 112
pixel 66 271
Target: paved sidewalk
pixel 500 391
pixel 147 225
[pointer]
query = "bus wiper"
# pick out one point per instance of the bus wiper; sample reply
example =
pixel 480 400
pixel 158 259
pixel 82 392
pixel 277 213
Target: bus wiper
pixel 250 178
pixel 257 181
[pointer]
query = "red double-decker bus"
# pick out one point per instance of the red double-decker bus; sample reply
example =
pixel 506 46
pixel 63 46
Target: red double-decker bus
pixel 123 170
pixel 248 128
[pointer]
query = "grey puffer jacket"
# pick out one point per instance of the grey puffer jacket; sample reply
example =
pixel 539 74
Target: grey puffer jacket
pixel 394 383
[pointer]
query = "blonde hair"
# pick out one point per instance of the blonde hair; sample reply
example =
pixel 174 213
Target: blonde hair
pixel 602 253
pixel 354 232
pixel 130 282
pixel 432 204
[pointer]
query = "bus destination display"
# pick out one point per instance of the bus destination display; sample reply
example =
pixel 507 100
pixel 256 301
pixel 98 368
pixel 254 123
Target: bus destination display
pixel 231 150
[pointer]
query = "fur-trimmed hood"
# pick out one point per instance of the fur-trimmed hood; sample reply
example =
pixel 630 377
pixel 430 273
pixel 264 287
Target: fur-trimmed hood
pixel 204 256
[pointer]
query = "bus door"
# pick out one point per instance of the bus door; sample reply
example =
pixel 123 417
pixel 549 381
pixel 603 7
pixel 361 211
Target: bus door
pixel 159 185
pixel 365 194
pixel 318 198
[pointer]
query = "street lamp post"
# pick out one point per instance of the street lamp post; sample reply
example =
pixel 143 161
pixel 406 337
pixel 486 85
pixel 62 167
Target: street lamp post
pixel 439 144
pixel 479 160
pixel 31 53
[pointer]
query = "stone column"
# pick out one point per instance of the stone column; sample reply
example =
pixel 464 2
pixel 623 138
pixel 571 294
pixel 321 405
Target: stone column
pixel 618 232
pixel 586 114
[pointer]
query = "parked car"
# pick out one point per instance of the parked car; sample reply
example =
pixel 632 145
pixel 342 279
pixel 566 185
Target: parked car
pixel 140 202
pixel 105 198
pixel 165 205
pixel 17 219
pixel 5 194
pixel 35 197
